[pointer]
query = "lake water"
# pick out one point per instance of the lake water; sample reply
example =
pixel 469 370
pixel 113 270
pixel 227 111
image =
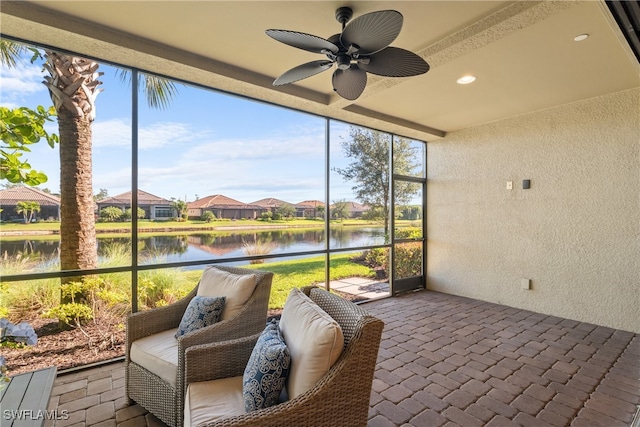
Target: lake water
pixel 200 246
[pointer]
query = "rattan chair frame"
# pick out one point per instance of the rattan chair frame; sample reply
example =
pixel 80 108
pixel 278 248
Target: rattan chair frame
pixel 340 398
pixel 155 394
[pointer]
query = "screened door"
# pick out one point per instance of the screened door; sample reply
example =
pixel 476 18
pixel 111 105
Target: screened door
pixel 408 221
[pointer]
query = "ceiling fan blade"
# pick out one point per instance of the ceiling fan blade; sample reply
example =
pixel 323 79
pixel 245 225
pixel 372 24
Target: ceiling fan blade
pixel 302 72
pixel 395 62
pixel 349 83
pixel 304 41
pixel 373 31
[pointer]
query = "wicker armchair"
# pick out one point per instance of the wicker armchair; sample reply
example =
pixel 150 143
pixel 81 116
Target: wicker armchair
pixel 340 398
pixel 166 400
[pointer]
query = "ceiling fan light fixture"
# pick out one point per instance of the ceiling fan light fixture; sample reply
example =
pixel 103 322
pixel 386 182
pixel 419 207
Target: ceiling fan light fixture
pixel 581 37
pixel 465 80
pixel 343 62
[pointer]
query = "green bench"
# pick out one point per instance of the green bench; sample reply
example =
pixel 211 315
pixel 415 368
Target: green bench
pixel 24 401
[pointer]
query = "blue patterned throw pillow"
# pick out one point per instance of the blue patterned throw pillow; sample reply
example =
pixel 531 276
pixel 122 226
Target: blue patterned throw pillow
pixel 267 370
pixel 201 312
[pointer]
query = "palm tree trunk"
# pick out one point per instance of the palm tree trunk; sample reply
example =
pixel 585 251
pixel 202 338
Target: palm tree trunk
pixel 73 85
pixel 78 248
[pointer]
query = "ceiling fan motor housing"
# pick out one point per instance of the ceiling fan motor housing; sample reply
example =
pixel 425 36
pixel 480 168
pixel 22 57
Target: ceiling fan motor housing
pixel 343 15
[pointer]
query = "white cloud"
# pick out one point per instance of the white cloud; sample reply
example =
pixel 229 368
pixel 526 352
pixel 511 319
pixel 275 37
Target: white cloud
pixel 111 133
pixel 115 181
pixel 290 167
pixel 117 133
pixel 16 84
pixel 290 146
pixel 162 134
pixel 178 161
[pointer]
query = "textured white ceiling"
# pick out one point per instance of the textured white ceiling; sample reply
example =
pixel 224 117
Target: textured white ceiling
pixel 522 53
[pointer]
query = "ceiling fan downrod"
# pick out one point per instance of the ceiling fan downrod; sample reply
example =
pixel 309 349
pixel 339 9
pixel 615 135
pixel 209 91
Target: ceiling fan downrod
pixel 343 59
pixel 343 15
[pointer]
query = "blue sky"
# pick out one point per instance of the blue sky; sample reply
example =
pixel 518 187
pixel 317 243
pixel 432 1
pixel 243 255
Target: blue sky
pixel 205 143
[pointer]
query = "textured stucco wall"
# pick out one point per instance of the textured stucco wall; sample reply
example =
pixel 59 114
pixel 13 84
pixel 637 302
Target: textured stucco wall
pixel 575 233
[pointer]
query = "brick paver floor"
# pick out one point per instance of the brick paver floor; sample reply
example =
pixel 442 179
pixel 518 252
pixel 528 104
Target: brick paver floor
pixel 445 361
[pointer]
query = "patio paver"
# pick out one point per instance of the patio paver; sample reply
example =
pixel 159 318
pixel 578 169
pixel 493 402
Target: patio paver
pixel 360 287
pixel 445 361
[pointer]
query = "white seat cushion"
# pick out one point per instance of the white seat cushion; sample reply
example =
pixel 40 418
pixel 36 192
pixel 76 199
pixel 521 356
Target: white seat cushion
pixel 211 400
pixel 236 288
pixel 314 339
pixel 158 353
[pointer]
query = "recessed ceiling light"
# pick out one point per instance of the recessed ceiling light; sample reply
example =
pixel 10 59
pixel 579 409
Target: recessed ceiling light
pixel 465 80
pixel 580 37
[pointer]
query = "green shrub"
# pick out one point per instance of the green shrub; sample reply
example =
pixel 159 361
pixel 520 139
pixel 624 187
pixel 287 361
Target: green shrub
pixel 72 314
pixel 408 259
pixel 111 214
pixel 377 257
pixel 266 216
pixel 112 297
pixel 408 233
pixel 157 288
pixel 127 214
pixel 208 216
pixel 81 291
pixel 74 309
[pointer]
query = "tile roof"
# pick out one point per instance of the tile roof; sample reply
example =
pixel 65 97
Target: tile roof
pixel 270 203
pixel 217 200
pixel 11 196
pixel 144 198
pixel 309 204
pixel 354 207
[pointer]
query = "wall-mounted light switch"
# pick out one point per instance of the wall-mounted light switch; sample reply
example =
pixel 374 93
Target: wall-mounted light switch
pixel 509 185
pixel 525 284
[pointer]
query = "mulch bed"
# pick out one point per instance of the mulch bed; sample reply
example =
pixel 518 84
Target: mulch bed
pixel 73 348
pixel 65 348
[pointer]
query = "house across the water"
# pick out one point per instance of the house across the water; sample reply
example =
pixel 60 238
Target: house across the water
pixel 154 207
pixel 10 197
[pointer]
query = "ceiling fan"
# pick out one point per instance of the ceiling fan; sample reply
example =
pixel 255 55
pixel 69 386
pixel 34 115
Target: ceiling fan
pixel 362 47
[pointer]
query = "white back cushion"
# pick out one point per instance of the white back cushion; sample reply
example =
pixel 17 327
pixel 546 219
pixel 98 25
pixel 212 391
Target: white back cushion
pixel 236 288
pixel 314 340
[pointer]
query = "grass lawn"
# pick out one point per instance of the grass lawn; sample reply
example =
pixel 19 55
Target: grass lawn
pixel 308 271
pixel 177 226
pixel 173 283
pixel 286 275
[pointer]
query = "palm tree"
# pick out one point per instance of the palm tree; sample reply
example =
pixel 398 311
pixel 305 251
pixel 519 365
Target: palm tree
pixel 181 208
pixel 27 209
pixel 33 208
pixel 73 85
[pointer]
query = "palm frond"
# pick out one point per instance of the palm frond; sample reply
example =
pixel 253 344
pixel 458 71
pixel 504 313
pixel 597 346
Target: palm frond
pixel 10 52
pixel 157 90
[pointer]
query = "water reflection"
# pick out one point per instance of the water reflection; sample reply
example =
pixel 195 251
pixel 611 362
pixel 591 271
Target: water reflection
pixel 201 246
